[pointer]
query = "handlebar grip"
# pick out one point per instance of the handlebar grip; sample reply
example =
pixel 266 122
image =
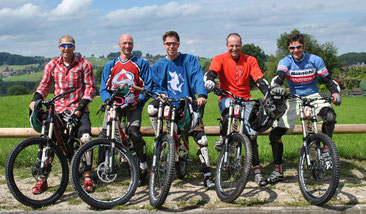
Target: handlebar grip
pixel 137 88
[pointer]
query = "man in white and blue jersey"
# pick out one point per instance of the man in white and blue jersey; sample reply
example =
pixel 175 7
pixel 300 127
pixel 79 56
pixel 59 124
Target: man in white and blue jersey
pixel 301 71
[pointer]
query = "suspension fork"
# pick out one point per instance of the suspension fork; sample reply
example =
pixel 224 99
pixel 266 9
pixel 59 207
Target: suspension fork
pixel 157 136
pixel 229 130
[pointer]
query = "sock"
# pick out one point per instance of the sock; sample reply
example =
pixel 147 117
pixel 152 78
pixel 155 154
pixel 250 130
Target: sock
pixel 257 169
pixel 278 168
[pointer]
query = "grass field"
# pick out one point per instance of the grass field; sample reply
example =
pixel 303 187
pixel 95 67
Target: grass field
pixel 35 77
pixel 14 113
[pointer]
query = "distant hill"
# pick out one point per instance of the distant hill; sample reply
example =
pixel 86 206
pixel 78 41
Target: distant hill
pixel 352 58
pixel 14 59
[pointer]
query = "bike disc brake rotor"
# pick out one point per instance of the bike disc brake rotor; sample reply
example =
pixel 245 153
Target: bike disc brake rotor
pixel 103 174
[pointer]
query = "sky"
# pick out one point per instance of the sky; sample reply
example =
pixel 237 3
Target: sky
pixel 33 27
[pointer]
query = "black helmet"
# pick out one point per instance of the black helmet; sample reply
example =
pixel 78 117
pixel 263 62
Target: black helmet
pixel 37 116
pixel 274 105
pixel 258 118
pixel 187 118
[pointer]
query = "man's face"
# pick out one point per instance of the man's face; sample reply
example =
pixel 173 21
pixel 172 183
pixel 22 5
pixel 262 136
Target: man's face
pixel 234 46
pixel 171 45
pixel 66 47
pixel 296 49
pixel 126 45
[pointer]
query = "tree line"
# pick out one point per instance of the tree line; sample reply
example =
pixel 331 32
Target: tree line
pixel 339 66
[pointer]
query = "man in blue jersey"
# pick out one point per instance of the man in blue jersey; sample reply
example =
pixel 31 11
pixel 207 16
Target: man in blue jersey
pixel 135 71
pixel 178 75
pixel 301 70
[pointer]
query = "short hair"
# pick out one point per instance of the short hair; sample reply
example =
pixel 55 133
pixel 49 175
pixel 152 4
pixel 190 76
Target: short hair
pixel 171 34
pixel 295 37
pixel 233 34
pixel 68 37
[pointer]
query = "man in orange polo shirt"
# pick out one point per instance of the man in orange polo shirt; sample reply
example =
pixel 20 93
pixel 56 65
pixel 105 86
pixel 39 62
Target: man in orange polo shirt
pixel 234 70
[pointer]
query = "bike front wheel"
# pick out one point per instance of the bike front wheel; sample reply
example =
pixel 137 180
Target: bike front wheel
pixel 112 185
pixel 23 169
pixel 319 179
pixel 162 171
pixel 232 174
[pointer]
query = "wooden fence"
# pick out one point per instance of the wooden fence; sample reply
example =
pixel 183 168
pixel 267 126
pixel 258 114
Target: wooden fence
pixel 209 130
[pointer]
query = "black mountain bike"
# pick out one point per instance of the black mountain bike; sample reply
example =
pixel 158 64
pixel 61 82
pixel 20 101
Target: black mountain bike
pixel 235 160
pixel 171 150
pixel 42 157
pixel 114 169
pixel 319 165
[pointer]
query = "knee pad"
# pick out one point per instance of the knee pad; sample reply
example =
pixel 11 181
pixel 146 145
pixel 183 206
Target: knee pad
pixel 204 157
pixel 135 134
pixel 276 134
pixel 86 137
pixel 328 114
pixel 152 109
pixel 203 141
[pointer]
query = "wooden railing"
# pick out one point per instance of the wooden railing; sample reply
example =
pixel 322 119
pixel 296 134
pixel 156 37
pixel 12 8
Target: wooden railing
pixel 209 130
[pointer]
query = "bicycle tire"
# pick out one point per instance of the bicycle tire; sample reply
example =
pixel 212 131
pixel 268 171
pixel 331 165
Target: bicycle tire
pixel 319 185
pixel 230 180
pixel 181 164
pixel 110 189
pixel 161 177
pixel 20 162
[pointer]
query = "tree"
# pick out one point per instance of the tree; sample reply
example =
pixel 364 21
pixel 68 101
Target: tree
pixel 17 90
pixel 257 52
pixel 137 53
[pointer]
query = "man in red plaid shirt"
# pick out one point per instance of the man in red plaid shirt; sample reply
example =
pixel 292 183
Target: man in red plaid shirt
pixel 66 72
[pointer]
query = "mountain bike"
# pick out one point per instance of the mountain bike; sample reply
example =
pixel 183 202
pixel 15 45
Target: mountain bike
pixel 171 149
pixel 319 164
pixel 44 157
pixel 114 169
pixel 235 160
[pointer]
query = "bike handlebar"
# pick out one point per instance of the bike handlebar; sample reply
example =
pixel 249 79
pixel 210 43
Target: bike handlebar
pixel 221 92
pixel 55 98
pixel 160 95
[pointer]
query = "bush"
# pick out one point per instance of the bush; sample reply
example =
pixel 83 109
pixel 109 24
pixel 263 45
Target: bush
pixel 363 85
pixel 17 90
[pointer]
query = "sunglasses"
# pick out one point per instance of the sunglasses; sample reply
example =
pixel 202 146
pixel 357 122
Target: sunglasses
pixel 171 43
pixel 295 47
pixel 67 45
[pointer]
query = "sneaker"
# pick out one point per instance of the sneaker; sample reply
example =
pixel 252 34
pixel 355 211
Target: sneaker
pixel 88 184
pixel 260 180
pixel 274 177
pixel 327 158
pixel 142 178
pixel 219 143
pixel 208 182
pixel 39 187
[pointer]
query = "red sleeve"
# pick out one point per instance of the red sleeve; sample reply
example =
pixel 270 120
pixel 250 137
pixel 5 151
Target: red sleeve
pixel 216 64
pixel 255 71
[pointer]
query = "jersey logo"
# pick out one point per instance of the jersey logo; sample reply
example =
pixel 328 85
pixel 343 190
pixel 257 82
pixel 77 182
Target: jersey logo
pixel 122 77
pixel 174 82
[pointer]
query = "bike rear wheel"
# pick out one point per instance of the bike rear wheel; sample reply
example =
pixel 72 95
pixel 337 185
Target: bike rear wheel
pixel 162 171
pixel 181 165
pixel 319 182
pixel 110 188
pixel 23 169
pixel 232 177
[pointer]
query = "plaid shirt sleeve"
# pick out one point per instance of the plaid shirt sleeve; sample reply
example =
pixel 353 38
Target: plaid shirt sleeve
pixel 47 79
pixel 89 81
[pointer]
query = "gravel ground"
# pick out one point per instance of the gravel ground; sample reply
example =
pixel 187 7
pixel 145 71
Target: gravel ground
pixel 190 194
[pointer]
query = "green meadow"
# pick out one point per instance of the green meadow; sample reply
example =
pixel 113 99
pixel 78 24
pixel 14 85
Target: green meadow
pixel 14 113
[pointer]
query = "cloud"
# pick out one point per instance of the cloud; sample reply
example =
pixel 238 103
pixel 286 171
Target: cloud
pixel 70 7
